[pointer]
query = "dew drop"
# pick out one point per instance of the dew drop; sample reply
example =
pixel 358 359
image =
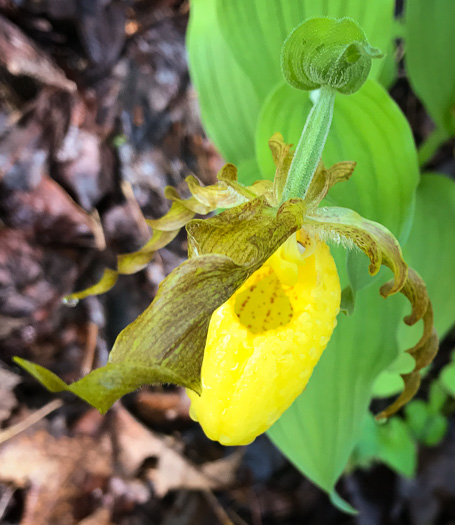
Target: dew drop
pixel 71 303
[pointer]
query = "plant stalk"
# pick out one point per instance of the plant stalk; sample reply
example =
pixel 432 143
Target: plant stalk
pixel 310 146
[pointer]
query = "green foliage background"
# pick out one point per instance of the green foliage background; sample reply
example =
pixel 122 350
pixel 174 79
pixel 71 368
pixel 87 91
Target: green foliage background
pixel 234 49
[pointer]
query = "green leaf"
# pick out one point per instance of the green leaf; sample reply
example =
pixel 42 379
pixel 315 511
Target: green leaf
pixel 427 426
pixel 389 382
pixel 397 449
pixel 341 504
pixel 430 41
pixel 318 432
pixel 429 247
pixel 447 379
pixel 391 443
pixel 437 397
pixel 367 447
pixel 326 51
pixel 249 171
pixel 436 431
pixel 332 408
pixel 389 71
pixel 228 102
pixel 417 415
pixel 166 342
pixel 368 128
pixel 347 301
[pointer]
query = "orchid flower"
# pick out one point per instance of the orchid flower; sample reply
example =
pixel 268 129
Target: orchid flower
pixel 243 322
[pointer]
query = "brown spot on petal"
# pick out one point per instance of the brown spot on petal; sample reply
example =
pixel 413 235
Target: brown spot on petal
pixel 264 306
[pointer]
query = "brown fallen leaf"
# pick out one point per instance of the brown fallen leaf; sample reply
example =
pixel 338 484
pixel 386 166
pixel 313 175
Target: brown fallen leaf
pixel 56 473
pixel 50 215
pixel 99 517
pixel 190 508
pixel 33 281
pixel 173 471
pixel 161 407
pixel 21 56
pixel 123 223
pixel 8 400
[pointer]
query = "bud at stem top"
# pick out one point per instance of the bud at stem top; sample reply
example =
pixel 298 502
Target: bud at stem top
pixel 327 52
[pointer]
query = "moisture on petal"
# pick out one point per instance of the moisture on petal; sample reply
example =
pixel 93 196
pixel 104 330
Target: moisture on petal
pixel 264 343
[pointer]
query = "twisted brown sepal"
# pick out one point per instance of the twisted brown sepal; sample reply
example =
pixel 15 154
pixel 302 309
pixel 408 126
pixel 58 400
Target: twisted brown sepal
pixel 425 349
pixel 376 241
pixel 165 344
pixel 226 193
pixel 282 157
pixel 324 179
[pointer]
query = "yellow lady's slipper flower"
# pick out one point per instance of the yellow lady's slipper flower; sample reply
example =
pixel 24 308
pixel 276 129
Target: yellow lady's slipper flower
pixel 265 341
pixel 263 310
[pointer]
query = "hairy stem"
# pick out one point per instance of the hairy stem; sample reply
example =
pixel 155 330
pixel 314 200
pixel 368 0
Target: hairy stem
pixel 310 146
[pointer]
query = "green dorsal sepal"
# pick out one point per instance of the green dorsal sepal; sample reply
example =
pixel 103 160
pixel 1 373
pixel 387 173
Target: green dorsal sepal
pixel 327 52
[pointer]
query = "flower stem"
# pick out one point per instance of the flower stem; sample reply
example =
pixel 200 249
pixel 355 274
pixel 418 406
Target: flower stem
pixel 310 146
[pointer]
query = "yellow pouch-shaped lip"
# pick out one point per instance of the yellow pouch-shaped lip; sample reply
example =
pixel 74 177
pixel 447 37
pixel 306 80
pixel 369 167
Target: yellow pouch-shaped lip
pixel 264 343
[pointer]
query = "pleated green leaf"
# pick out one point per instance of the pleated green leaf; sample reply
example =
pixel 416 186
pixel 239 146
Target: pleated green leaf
pixel 227 98
pixel 318 432
pixel 382 248
pixel 430 44
pixel 389 71
pixel 331 410
pixel 367 127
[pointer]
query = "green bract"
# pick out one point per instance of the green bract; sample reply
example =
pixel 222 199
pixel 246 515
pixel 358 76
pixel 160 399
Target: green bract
pixel 327 52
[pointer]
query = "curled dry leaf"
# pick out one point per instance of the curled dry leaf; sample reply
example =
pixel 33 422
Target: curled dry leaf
pixel 99 517
pixel 48 213
pixel 53 471
pixel 226 193
pixel 173 471
pixel 8 400
pixel 21 56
